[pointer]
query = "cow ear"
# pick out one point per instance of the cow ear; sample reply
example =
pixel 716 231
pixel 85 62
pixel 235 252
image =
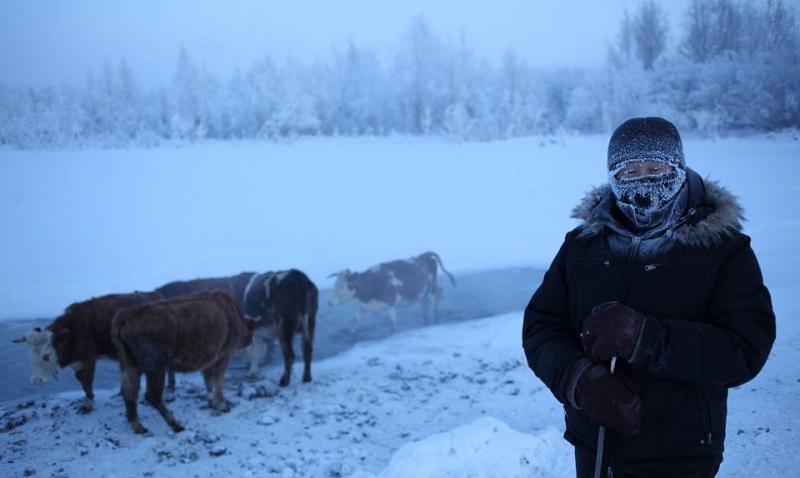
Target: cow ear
pixel 19 340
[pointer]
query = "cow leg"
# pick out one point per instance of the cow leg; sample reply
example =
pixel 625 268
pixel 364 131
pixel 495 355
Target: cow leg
pixel 437 296
pixel 308 344
pixel 285 337
pixel 208 379
pixel 155 397
pixel 254 352
pixel 426 307
pixel 393 317
pixel 85 376
pixel 214 377
pixel 357 319
pixel 219 381
pixel 170 380
pixel 130 393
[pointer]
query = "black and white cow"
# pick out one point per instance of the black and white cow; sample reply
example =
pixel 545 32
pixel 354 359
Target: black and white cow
pixel 390 284
pixel 282 303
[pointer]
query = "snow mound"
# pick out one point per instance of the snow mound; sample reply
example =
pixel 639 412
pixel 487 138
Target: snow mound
pixel 486 447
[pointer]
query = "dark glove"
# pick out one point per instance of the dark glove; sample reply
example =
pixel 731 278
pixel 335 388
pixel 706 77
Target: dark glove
pixel 611 332
pixel 607 401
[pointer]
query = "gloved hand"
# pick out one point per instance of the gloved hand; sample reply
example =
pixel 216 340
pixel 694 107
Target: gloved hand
pixel 611 332
pixel 606 399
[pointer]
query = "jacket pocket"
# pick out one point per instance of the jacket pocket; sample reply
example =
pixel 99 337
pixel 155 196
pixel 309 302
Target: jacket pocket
pixel 679 412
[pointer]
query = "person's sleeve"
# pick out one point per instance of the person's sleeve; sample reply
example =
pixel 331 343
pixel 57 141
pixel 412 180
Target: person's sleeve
pixel 552 351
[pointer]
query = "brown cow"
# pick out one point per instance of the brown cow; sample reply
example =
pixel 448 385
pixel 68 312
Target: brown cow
pixel 283 303
pixel 77 338
pixel 390 284
pixel 233 284
pixel 192 332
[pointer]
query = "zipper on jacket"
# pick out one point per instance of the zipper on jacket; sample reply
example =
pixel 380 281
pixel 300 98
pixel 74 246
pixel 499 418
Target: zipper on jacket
pixel 632 253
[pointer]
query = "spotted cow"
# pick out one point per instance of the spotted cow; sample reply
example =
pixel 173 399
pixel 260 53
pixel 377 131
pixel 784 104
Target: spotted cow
pixel 282 303
pixel 391 284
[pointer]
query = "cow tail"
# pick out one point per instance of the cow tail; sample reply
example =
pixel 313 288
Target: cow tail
pixel 312 305
pixel 124 353
pixel 439 260
pixel 239 323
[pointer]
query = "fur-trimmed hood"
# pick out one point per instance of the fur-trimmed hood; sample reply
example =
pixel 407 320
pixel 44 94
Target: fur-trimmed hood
pixel 713 214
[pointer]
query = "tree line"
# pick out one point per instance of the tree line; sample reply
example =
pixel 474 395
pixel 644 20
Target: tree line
pixel 736 67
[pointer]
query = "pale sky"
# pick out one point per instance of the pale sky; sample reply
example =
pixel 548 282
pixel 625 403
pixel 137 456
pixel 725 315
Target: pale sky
pixel 52 41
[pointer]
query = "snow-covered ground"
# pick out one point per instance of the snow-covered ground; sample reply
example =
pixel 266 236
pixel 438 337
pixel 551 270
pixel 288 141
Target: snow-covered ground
pixel 452 399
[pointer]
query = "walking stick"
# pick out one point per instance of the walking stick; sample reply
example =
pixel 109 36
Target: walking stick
pixel 601 436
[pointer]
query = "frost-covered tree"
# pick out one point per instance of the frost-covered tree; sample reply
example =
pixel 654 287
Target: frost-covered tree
pixel 713 27
pixel 518 98
pixel 770 27
pixel 295 111
pixel 416 74
pixel 738 28
pixel 622 54
pixel 650 29
pixel 351 96
pixel 738 69
pixel 195 93
pixel 465 112
pixel 127 101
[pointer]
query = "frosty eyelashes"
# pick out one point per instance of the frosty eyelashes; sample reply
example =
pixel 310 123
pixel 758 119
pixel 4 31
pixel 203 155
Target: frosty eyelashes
pixel 636 169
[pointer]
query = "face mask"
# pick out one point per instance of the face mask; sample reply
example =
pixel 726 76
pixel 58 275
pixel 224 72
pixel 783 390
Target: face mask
pixel 643 199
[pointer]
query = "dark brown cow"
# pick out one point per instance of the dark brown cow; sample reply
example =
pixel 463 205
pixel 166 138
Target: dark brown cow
pixel 390 284
pixel 193 332
pixel 233 284
pixel 283 303
pixel 77 338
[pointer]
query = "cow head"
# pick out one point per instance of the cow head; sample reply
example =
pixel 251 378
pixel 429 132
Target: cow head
pixel 246 338
pixel 44 359
pixel 343 289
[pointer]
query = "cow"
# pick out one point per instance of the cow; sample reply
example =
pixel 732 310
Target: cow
pixel 77 338
pixel 390 284
pixel 282 303
pixel 187 333
pixel 233 284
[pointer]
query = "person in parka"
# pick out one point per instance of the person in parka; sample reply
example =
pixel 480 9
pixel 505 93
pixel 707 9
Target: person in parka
pixel 652 309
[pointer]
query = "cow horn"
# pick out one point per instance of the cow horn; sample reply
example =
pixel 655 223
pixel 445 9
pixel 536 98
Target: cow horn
pixel 20 340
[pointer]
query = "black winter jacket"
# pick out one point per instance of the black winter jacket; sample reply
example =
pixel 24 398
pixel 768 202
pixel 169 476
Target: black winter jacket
pixel 709 322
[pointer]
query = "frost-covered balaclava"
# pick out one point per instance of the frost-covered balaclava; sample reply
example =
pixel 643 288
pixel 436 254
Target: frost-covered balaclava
pixel 645 200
